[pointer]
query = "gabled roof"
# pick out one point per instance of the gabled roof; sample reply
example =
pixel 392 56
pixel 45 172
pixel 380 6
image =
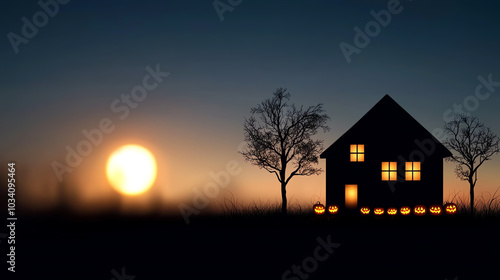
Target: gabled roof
pixel 387 116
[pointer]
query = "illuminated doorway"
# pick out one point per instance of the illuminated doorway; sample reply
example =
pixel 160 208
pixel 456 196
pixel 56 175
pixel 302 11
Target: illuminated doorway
pixel 351 196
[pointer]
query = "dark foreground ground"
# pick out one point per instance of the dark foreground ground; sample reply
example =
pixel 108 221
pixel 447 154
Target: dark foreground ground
pixel 256 248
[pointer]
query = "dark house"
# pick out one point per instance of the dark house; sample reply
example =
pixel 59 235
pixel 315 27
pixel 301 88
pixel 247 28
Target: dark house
pixel 387 159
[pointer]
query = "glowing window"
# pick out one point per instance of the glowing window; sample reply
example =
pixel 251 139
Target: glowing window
pixel 389 171
pixel 357 153
pixel 412 171
pixel 351 196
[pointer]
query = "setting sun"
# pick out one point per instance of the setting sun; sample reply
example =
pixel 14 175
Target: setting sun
pixel 131 169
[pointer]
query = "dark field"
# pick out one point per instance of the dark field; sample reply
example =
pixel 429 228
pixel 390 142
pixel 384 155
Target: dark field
pixel 257 247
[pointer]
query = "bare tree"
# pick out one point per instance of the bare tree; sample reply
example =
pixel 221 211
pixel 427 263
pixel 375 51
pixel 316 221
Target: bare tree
pixel 281 137
pixel 474 144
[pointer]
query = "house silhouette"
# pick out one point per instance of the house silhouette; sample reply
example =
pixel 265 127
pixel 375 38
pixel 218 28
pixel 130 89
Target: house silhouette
pixel 387 159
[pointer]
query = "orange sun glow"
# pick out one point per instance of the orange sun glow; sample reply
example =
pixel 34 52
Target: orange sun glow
pixel 131 169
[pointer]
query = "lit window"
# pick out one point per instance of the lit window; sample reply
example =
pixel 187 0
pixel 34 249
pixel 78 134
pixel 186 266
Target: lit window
pixel 389 171
pixel 357 153
pixel 413 171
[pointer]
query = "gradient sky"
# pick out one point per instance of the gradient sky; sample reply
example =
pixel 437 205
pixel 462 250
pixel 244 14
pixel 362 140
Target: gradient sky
pixel 65 78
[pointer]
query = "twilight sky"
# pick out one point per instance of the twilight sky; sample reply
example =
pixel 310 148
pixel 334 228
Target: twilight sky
pixel 67 76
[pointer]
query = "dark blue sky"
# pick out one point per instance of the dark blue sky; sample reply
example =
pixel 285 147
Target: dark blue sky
pixel 65 78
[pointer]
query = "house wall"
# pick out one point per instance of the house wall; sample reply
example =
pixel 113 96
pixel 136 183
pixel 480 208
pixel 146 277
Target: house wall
pixel 374 192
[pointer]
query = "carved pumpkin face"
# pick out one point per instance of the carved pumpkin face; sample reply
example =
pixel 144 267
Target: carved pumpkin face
pixel 450 208
pixel 378 211
pixel 333 209
pixel 419 210
pixel 435 210
pixel 405 210
pixel 392 211
pixel 365 210
pixel 319 209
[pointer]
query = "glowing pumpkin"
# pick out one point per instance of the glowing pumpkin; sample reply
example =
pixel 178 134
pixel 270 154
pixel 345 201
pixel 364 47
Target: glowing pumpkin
pixel 365 210
pixel 450 208
pixel 405 210
pixel 378 211
pixel 319 209
pixel 419 210
pixel 333 209
pixel 392 211
pixel 435 210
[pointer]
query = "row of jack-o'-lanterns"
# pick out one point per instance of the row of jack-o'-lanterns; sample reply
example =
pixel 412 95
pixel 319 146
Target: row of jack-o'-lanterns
pixel 419 210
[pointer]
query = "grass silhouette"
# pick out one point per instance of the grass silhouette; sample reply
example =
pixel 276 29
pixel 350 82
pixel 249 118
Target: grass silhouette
pixel 483 206
pixel 488 206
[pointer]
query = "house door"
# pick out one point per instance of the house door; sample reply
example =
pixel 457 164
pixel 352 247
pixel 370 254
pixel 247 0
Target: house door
pixel 351 196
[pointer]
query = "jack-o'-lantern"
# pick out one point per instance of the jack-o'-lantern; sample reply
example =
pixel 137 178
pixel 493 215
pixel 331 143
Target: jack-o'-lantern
pixel 319 209
pixel 365 210
pixel 333 209
pixel 435 210
pixel 450 208
pixel 392 211
pixel 419 210
pixel 378 211
pixel 405 210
